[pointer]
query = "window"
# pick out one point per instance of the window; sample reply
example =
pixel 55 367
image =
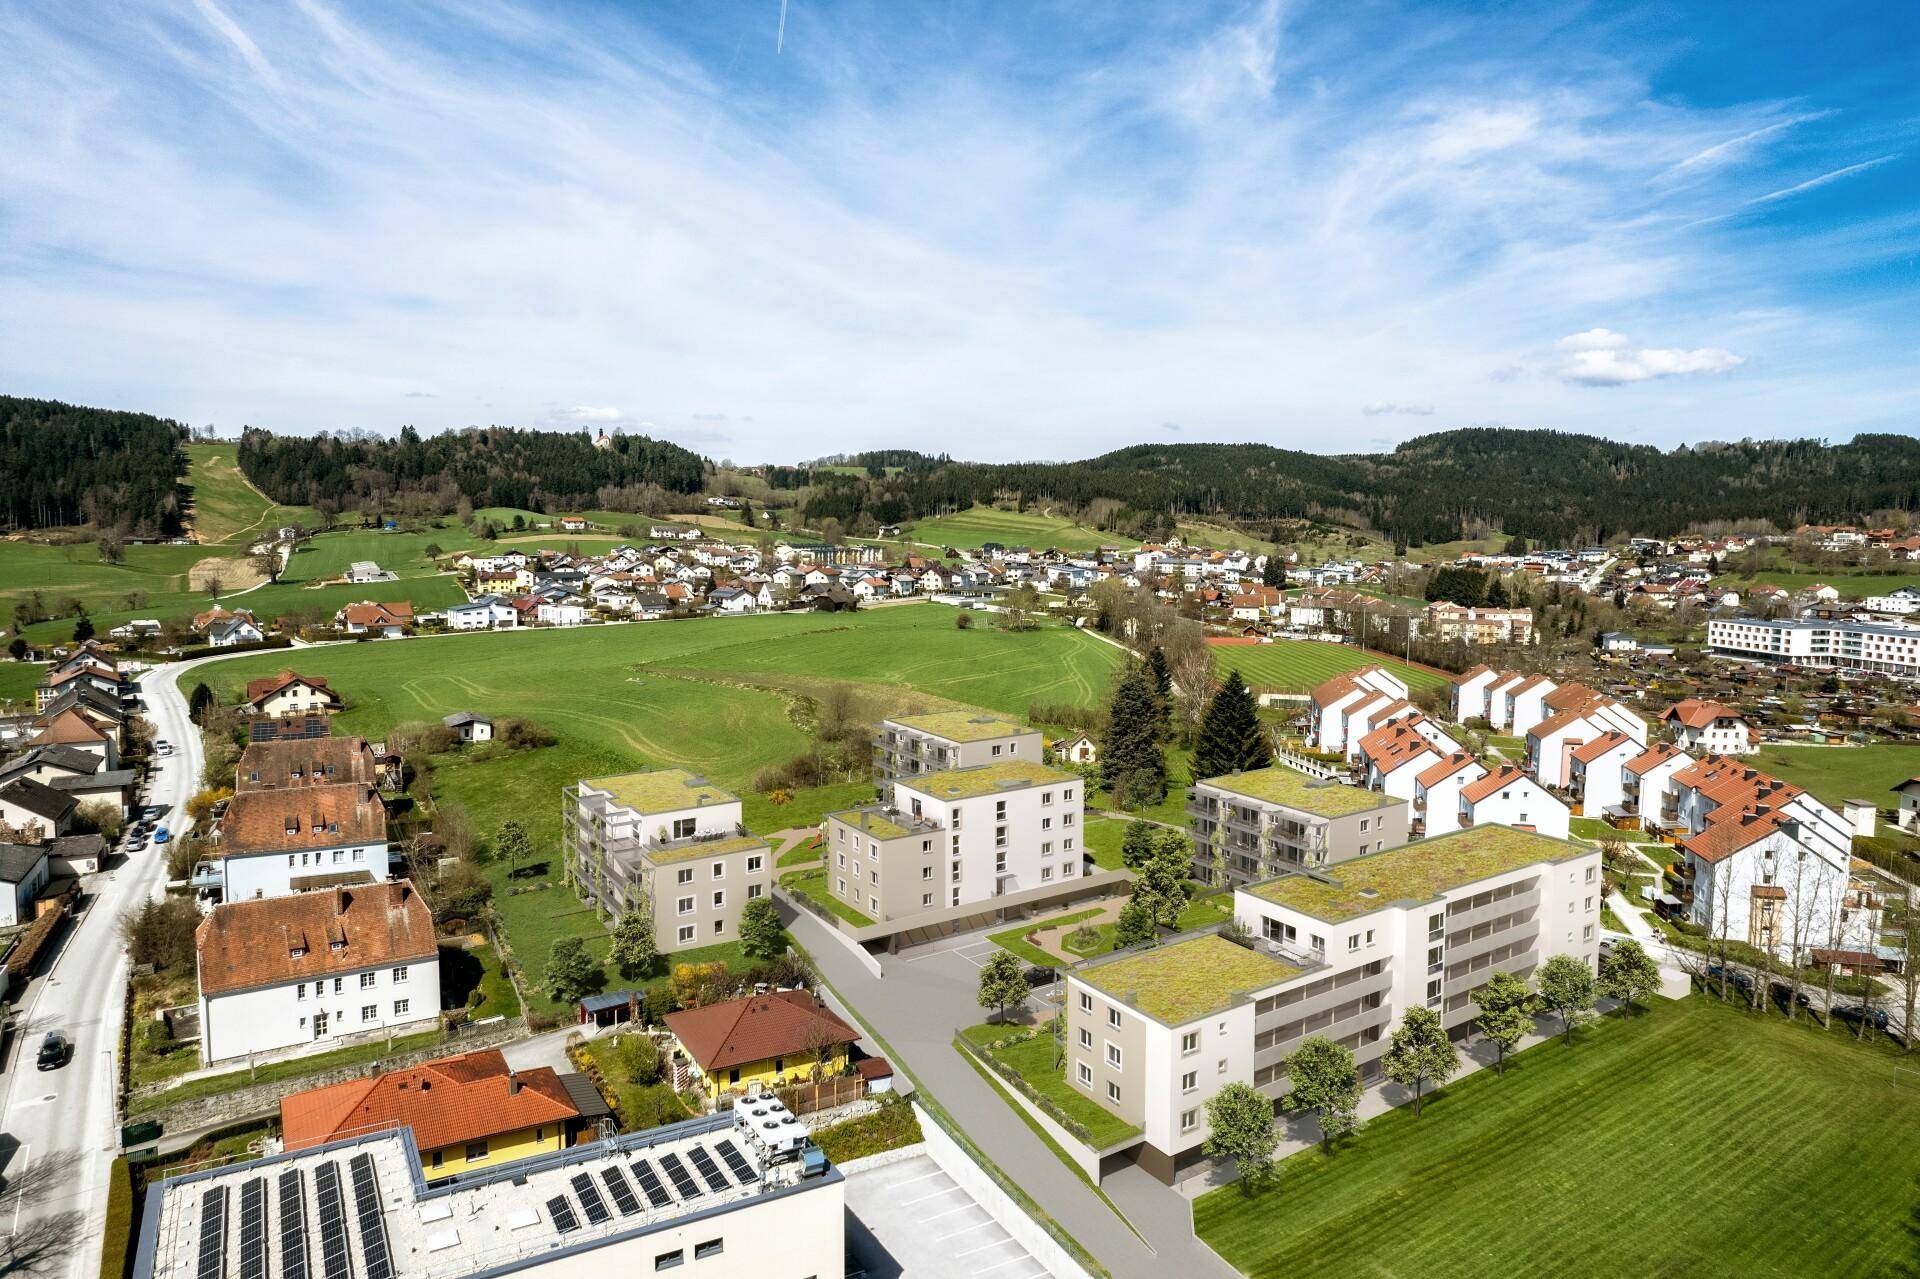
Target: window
pixel 369 1011
pixel 719 927
pixel 753 863
pixel 1046 799
pixel 1046 873
pixel 1086 1037
pixel 1085 1072
pixel 1190 1081
pixel 1067 843
pixel 685 874
pixel 300 991
pixel 1086 1002
pixel 754 890
pixel 840 860
pixel 719 870
pixel 926 872
pixel 476 1150
pixel 997 750
pixel 1113 1092
pixel 686 933
pixel 873 904
pixel 1590 874
pixel 1363 825
pixel 1046 849
pixel 1587 933
pixel 1046 823
pixel 339 983
pixel 1113 1017
pixel 1113 1054
pixel 711 1248
pixel 683 827
pixel 719 901
pixel 366 980
pixel 400 1007
pixel 1189 1120
pixel 1353 941
pixel 684 906
pixel 1369 936
pixel 1190 1042
pixel 926 899
pixel 668 1260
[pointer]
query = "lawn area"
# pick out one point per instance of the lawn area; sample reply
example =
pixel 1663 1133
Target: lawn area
pixel 294 1068
pixel 1836 774
pixel 1202 912
pixel 1802 1130
pixel 891 1127
pixel 1101 837
pixel 1015 939
pixel 812 885
pixel 1032 1060
pixel 18 680
pixel 968 529
pixel 1219 537
pixel 1172 808
pixel 640 1106
pixel 1298 666
pixel 466 971
pixel 224 507
pixel 1782 572
pixel 806 807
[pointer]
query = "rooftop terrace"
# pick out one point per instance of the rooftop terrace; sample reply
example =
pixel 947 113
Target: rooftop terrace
pixel 661 790
pixel 1416 872
pixel 689 849
pixel 1184 980
pixel 961 726
pixel 986 779
pixel 1277 785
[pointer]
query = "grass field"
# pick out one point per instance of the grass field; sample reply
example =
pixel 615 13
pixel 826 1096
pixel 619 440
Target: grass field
pixel 1297 666
pixel 1694 1139
pixel 1836 774
pixel 18 680
pixel 1219 537
pixel 1032 1060
pixel 968 529
pixel 224 508
pixel 718 697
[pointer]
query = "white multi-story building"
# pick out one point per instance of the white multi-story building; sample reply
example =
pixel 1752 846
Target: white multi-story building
pixel 704 1195
pixel 312 971
pixel 1710 728
pixel 1341 953
pixel 957 837
pixel 1346 707
pixel 1470 692
pixel 1268 821
pixel 1597 772
pixel 1646 786
pixel 1888 648
pixel 913 744
pixel 1436 793
pixel 291 839
pixel 1509 797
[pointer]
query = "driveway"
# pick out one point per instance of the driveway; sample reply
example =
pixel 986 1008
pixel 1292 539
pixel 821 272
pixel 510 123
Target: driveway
pixel 548 1049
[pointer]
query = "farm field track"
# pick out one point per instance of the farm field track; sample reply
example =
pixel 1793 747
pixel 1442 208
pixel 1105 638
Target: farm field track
pixel 1800 1160
pixel 1298 666
pixel 968 529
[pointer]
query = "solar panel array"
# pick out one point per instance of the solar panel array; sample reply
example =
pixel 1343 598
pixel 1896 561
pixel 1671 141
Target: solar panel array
pixel 375 1261
pixel 213 1232
pixel 253 1229
pixel 596 1207
pixel 293 1226
pixel 677 1173
pixel 709 1171
pixel 562 1214
pixel 335 1258
pixel 620 1189
pixel 650 1184
pixel 743 1172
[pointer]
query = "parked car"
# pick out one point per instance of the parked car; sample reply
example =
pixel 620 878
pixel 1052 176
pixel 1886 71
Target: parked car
pixel 1735 978
pixel 1855 1013
pixel 55 1049
pixel 162 835
pixel 1038 976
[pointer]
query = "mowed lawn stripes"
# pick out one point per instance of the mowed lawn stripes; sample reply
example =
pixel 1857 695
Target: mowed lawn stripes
pixel 1694 1139
pixel 1298 666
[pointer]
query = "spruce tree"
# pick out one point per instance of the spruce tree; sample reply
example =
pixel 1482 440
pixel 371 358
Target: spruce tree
pixel 1230 736
pixel 1162 687
pixel 1131 763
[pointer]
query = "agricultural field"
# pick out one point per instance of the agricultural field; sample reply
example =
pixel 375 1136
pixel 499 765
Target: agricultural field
pixel 1297 666
pixel 1835 774
pixel 18 680
pixel 1782 572
pixel 967 529
pixel 721 697
pixel 223 507
pixel 1608 1158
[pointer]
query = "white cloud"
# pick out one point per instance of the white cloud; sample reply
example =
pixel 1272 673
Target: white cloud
pixel 1378 408
pixel 1601 357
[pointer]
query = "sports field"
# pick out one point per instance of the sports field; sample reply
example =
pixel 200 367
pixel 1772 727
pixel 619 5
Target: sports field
pixel 1694 1139
pixel 1298 666
pixel 1836 774
pixel 717 696
pixel 968 529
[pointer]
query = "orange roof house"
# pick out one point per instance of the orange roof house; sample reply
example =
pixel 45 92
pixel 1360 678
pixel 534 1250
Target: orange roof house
pixel 273 941
pixel 762 1038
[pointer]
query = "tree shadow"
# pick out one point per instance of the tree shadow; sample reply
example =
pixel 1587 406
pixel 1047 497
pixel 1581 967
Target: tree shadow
pixel 44 1245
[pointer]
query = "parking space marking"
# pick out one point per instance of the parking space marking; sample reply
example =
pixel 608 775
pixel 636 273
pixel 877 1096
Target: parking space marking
pixel 1010 1261
pixel 908 1203
pixel 948 1213
pixel 989 1247
pixel 937 1172
pixel 965 1230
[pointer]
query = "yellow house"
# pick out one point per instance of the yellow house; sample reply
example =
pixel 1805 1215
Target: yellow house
pixel 466 1112
pixel 762 1040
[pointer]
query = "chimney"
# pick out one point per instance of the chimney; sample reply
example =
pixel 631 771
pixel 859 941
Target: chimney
pixel 513 1084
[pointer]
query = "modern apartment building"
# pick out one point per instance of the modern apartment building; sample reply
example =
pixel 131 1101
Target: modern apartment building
pixel 702 1196
pixel 667 841
pixel 1341 953
pixel 1272 820
pixel 915 744
pixel 956 837
pixel 1889 648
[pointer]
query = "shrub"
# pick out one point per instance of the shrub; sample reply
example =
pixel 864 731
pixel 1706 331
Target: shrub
pixel 525 735
pixel 963 621
pixel 160 932
pixel 158 1038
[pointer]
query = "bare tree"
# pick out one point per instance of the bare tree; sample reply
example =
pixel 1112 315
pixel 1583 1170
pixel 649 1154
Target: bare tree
pixel 1906 917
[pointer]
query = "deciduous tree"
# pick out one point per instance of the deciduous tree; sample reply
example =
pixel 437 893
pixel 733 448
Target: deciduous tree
pixel 1240 1128
pixel 1420 1052
pixel 634 949
pixel 1628 974
pixel 1503 1019
pixel 1003 983
pixel 571 972
pixel 1326 1082
pixel 1567 986
pixel 761 936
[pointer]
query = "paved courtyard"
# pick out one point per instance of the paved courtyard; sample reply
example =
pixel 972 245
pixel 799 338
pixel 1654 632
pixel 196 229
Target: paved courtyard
pixel 911 1219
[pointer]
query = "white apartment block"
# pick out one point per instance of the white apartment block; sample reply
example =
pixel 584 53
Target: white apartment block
pixel 1268 821
pixel 1344 708
pixel 669 842
pixel 1647 792
pixel 1341 953
pixel 702 1197
pixel 1888 648
pixel 293 839
pixel 914 744
pixel 957 837
pixel 1710 728
pixel 1509 797
pixel 313 971
pixel 1436 793
pixel 1597 772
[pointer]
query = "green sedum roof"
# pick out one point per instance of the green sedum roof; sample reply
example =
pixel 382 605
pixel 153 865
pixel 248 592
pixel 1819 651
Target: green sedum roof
pixel 871 821
pixel 704 849
pixel 1417 872
pixel 661 790
pixel 1185 980
pixel 1277 785
pixel 962 726
pixel 985 779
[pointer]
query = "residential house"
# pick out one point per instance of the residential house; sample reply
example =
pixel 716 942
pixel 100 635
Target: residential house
pixel 283 762
pixel 1508 797
pixel 24 871
pixel 315 971
pixel 1907 815
pixel 365 572
pixel 482 613
pixel 1268 821
pixel 1887 648
pixel 1596 771
pixel 761 1041
pixel 1647 795
pixel 289 693
pixel 1081 748
pixel 277 841
pixel 31 811
pixel 1341 710
pixel 1436 793
pixel 387 620
pixel 1470 692
pixel 1710 728
pixel 1456 623
pixel 910 744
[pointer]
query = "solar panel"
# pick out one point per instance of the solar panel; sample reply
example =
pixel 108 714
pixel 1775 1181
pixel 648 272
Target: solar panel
pixel 293 1226
pixel 562 1213
pixel 709 1171
pixel 650 1184
pixel 374 1257
pixel 743 1172
pixel 213 1232
pixel 335 1260
pixel 253 1229
pixel 677 1173
pixel 620 1189
pixel 590 1199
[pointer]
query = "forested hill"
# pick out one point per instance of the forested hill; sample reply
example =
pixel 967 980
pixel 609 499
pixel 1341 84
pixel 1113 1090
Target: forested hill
pixel 64 464
pixel 1545 485
pixel 494 466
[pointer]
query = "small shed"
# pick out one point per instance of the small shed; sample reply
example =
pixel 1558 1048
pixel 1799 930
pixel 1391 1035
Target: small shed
pixel 470 727
pixel 611 1007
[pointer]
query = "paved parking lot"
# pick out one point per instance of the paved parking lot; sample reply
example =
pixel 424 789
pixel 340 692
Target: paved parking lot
pixel 911 1219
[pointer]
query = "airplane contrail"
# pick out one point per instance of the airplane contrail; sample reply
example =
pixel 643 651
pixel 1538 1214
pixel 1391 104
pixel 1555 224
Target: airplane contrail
pixel 780 40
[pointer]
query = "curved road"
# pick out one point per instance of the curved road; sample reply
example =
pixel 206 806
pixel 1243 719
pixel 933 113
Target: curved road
pixel 59 1126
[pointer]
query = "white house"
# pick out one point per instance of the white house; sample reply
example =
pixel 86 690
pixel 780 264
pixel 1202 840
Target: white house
pixel 1710 728
pixel 1508 797
pixel 233 631
pixel 290 693
pixel 274 842
pixel 1081 748
pixel 1597 771
pixel 1344 708
pixel 1646 785
pixel 1525 704
pixel 469 727
pixel 562 612
pixel 481 614
pixel 1908 814
pixel 1470 692
pixel 1436 792
pixel 314 971
pixel 23 873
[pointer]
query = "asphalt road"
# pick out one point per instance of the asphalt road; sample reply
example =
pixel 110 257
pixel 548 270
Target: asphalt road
pixel 57 1127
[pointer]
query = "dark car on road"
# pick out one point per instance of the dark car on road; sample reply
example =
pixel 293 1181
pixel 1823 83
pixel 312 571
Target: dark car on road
pixel 55 1049
pixel 1853 1014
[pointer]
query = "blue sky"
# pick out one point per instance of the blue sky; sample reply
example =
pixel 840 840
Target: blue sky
pixel 998 230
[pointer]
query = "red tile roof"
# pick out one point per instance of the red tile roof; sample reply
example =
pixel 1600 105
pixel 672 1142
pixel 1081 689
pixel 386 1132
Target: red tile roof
pixel 1447 768
pixel 259 690
pixel 1611 740
pixel 1505 775
pixel 289 819
pixel 785 1023
pixel 1654 756
pixel 271 941
pixel 447 1102
pixel 1696 713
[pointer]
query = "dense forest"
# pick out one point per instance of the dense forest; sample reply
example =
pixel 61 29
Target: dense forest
pixel 1549 486
pixel 495 466
pixel 64 464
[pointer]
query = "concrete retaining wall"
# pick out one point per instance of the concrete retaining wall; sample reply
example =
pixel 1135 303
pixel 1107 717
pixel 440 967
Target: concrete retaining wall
pixel 1012 1217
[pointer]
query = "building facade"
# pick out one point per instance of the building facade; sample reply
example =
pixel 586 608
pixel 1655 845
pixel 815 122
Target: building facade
pixel 1888 648
pixel 915 744
pixel 1271 820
